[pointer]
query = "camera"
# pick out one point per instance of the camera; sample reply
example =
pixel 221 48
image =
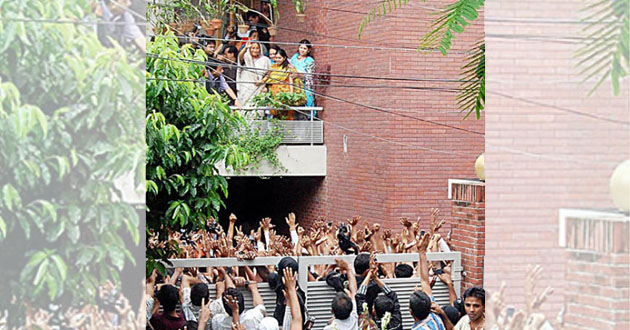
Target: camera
pixel 212 227
pixel 342 228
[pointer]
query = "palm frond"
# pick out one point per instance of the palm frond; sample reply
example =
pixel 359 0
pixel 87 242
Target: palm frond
pixel 385 7
pixel 453 19
pixel 472 97
pixel 605 54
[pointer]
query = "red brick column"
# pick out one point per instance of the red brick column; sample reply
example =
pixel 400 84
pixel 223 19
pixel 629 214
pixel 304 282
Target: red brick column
pixel 469 227
pixel 597 269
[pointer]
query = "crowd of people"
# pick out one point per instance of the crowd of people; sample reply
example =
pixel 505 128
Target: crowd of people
pixel 362 299
pixel 243 65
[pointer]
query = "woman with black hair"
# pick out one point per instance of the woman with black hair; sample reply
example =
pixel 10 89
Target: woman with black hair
pixel 304 63
pixel 283 78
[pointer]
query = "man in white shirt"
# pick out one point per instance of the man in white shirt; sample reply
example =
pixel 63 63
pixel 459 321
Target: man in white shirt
pixel 343 305
pixel 252 318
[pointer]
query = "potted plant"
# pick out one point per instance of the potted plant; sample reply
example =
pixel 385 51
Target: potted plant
pixel 216 10
pixel 164 16
pixel 300 7
pixel 242 26
pixel 183 14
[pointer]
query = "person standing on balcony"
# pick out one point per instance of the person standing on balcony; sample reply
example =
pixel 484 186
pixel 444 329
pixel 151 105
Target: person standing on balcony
pixel 259 24
pixel 255 66
pixel 215 82
pixel 283 78
pixel 304 63
pixel 229 55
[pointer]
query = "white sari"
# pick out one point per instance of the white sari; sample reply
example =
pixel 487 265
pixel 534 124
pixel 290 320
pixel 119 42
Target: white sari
pixel 247 77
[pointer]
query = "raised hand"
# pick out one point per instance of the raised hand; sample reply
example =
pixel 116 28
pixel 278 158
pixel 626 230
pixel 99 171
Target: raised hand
pixel 405 222
pixel 387 234
pixel 232 218
pixel 204 313
pixel 291 221
pixel 376 227
pixel 445 277
pixel 368 232
pixel 415 227
pixel 300 231
pixel 232 302
pixel 220 231
pixel 257 234
pixel 266 224
pixel 239 231
pixel 423 242
pixel 306 241
pixel 289 279
pixel 367 247
pixel 434 244
pixel 355 220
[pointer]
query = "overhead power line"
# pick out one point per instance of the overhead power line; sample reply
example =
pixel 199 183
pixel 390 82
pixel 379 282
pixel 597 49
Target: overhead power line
pixel 375 108
pixel 558 108
pixel 322 74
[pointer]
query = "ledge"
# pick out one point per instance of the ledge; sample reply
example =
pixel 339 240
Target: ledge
pixel 611 223
pixel 468 182
pixel 298 160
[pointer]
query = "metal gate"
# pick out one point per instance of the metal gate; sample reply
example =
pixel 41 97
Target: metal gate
pixel 319 295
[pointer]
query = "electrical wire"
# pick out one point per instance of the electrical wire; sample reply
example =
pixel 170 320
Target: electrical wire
pixel 63 21
pixel 535 20
pixel 561 158
pixel 532 38
pixel 381 48
pixel 314 73
pixel 563 109
pixel 387 140
pixel 375 108
pixel 319 85
pixel 388 48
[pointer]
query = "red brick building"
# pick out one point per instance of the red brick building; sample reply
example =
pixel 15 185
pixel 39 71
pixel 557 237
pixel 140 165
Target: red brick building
pixel 388 170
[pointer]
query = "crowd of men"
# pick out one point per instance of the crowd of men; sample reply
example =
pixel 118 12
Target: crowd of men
pixel 362 299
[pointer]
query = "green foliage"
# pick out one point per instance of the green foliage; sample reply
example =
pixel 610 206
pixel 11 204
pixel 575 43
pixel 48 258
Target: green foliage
pixel 282 100
pixel 68 110
pixel 300 6
pixel 453 19
pixel 384 8
pixel 260 144
pixel 188 131
pixel 606 52
pixel 473 95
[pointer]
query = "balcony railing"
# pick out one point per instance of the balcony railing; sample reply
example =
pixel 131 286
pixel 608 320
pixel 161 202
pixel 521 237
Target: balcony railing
pixel 302 152
pixel 310 131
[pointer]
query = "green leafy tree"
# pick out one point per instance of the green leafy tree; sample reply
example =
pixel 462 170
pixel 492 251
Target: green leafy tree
pixel 188 131
pixel 69 111
pixel 606 50
pixel 451 20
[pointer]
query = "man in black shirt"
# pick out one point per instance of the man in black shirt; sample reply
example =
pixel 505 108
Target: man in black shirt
pixel 229 56
pixel 255 21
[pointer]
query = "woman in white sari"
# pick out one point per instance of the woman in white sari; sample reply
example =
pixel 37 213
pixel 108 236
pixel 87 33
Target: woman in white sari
pixel 255 68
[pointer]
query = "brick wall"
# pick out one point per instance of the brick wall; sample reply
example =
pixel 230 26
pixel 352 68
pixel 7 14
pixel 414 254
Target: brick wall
pixel 468 213
pixel 598 259
pixel 382 180
pixel 541 154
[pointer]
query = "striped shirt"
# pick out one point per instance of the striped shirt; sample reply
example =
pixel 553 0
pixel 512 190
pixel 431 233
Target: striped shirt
pixel 431 322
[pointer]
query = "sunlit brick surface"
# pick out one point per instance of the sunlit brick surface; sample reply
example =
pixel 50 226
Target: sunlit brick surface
pixel 544 149
pixel 382 180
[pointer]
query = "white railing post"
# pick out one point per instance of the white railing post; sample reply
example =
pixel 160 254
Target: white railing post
pixel 312 129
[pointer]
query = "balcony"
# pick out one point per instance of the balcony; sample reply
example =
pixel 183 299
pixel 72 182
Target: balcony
pixel 302 151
